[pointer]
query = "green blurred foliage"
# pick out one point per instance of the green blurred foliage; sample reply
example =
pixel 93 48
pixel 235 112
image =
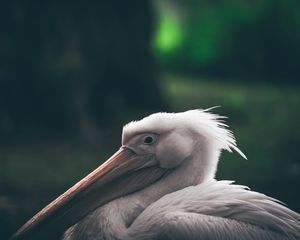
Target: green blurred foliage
pixel 258 40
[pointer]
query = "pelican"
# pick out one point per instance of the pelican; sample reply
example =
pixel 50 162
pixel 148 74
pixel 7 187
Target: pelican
pixel 161 185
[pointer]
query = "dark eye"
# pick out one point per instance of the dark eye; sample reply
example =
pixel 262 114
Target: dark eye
pixel 148 140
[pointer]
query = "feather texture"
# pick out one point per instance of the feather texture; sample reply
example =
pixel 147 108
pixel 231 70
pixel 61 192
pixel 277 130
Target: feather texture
pixel 216 210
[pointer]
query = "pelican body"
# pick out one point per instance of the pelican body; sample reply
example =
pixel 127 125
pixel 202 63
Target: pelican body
pixel 161 185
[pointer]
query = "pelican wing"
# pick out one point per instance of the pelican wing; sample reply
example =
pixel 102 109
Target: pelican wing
pixel 216 210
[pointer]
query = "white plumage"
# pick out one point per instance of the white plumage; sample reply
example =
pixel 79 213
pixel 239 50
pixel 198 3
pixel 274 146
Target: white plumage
pixel 171 208
pixel 161 185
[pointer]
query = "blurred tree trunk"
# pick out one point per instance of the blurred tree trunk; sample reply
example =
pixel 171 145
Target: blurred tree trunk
pixel 69 68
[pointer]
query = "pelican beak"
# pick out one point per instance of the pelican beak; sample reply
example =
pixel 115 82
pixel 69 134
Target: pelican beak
pixel 123 173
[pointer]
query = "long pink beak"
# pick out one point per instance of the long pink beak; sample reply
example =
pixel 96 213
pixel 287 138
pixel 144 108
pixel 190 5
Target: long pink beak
pixel 121 174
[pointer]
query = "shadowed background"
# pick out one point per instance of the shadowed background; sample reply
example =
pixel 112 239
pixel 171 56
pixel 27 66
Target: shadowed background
pixel 72 75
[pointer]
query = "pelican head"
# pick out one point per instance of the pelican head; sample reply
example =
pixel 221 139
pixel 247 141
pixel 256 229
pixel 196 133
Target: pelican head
pixel 168 139
pixel 152 148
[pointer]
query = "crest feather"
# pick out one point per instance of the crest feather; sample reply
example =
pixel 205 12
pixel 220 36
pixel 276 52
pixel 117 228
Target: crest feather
pixel 207 124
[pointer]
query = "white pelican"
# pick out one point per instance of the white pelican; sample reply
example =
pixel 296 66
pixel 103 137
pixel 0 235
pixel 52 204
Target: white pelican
pixel 161 185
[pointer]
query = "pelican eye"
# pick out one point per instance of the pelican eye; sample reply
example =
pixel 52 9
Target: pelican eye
pixel 148 139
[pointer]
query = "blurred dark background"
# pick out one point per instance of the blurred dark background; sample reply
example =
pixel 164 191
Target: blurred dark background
pixel 72 74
